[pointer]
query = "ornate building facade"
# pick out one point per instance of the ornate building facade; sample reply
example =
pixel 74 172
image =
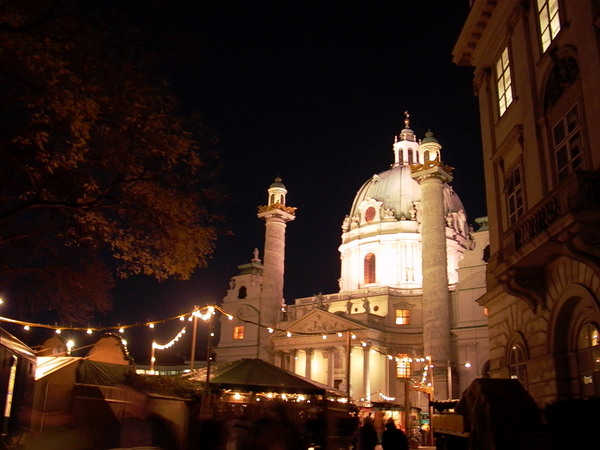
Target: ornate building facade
pixel 411 270
pixel 537 72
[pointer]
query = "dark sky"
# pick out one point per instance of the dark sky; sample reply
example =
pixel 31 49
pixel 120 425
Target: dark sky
pixel 313 92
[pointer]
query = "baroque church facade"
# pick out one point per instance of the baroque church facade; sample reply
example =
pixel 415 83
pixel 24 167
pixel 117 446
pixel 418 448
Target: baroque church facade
pixel 405 316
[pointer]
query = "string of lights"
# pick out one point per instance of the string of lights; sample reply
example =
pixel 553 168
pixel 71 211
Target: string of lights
pixel 206 312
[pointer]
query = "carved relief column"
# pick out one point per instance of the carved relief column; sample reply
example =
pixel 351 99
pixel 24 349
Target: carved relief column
pixel 367 371
pixel 432 176
pixel 276 215
pixel 309 353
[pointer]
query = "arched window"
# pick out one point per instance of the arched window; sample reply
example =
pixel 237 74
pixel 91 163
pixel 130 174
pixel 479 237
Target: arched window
pixel 588 359
pixel 242 293
pixel 517 362
pixel 410 156
pixel 370 268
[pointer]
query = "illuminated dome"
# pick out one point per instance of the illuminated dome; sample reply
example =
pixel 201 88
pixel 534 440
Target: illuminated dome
pixel 398 192
pixel 383 226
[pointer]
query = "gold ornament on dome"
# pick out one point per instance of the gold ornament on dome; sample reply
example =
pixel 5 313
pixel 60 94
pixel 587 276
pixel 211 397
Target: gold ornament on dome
pixel 287 209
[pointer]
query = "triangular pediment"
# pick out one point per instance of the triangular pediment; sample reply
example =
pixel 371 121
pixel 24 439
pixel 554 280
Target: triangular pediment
pixel 319 321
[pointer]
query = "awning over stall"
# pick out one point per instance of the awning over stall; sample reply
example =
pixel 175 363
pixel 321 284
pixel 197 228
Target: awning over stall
pixel 258 375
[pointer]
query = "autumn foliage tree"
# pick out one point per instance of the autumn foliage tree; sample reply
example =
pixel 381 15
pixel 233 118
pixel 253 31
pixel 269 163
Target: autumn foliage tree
pixel 100 174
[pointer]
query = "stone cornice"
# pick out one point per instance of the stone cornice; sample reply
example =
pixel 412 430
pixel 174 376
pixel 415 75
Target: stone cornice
pixel 421 172
pixel 285 213
pixel 477 21
pixel 278 207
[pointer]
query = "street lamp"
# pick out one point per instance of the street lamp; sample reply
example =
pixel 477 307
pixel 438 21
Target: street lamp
pixel 207 317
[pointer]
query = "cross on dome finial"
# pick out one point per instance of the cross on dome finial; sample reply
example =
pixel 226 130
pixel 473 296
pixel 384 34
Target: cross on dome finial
pixel 406 119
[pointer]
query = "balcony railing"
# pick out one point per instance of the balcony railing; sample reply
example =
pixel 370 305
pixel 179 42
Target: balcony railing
pixel 576 195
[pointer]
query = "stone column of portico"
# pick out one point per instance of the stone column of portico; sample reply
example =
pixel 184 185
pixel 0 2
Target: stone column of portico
pixel 432 175
pixel 367 371
pixel 293 356
pixel 309 354
pixel 276 214
pixel 330 355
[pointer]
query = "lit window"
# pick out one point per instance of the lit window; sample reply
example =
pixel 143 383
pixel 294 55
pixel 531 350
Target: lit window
pixel 588 357
pixel 370 268
pixel 402 317
pixel 238 332
pixel 514 195
pixel 402 366
pixel 517 367
pixel 567 141
pixel 503 82
pixel 370 214
pixel 549 21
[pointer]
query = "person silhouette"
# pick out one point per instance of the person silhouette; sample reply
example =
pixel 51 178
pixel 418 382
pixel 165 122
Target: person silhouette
pixel 393 438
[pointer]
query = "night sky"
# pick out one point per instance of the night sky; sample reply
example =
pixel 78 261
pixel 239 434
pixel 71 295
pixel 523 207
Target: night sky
pixel 313 92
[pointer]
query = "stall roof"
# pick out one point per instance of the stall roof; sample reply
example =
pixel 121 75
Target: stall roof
pixel 10 341
pixel 258 375
pixel 47 365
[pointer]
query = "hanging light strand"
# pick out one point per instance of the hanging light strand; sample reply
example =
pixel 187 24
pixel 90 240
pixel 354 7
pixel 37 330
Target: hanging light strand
pixel 171 343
